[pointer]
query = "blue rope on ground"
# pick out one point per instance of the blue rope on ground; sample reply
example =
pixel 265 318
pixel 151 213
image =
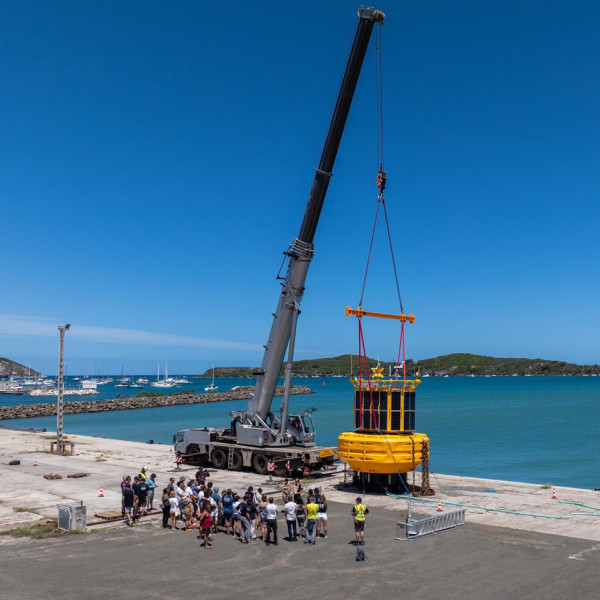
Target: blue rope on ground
pixel 505 510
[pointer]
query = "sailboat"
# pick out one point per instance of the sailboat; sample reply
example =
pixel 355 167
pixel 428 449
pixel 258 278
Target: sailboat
pixel 212 387
pixel 30 381
pixel 134 384
pixel 123 379
pixel 164 383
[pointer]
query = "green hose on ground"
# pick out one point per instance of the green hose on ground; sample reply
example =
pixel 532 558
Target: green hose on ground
pixel 507 511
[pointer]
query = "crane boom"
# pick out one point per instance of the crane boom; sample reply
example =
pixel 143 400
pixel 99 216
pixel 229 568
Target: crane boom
pixel 301 249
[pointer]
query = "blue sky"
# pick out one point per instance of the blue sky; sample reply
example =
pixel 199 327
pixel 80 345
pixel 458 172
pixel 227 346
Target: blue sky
pixel 157 157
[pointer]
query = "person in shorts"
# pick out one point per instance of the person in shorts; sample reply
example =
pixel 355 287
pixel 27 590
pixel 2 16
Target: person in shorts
pixel 128 503
pixel 151 483
pixel 174 510
pixel 322 516
pixel 262 516
pixel 227 502
pixel 206 524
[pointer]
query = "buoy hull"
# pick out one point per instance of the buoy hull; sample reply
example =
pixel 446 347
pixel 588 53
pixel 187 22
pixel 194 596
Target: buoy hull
pixel 377 453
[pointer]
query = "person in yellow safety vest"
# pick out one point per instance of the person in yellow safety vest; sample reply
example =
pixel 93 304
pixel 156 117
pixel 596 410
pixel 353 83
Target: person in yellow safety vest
pixel 359 512
pixel 142 474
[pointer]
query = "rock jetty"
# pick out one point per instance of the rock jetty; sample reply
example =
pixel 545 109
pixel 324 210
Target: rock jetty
pixel 27 411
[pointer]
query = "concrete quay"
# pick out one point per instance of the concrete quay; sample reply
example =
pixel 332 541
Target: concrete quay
pixel 495 555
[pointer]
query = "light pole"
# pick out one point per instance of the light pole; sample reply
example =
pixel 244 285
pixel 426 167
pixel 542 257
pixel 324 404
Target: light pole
pixel 59 404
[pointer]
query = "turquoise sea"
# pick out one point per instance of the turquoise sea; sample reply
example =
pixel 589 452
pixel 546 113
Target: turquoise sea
pixel 531 429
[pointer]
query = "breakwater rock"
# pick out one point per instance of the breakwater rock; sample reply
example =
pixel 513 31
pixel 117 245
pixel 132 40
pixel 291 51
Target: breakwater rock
pixel 71 407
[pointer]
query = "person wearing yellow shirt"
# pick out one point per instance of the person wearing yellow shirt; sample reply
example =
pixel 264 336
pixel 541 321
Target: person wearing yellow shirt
pixel 359 512
pixel 312 510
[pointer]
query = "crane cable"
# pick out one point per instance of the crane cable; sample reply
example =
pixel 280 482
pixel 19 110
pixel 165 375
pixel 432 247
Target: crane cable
pixel 379 85
pixel 381 175
pixel 381 182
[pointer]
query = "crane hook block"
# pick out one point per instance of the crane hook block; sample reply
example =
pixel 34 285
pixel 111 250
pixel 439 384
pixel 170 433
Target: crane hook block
pixel 359 313
pixel 380 179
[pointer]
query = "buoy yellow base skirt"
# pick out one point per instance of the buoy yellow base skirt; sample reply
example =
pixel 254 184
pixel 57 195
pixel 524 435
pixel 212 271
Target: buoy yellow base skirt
pixel 385 454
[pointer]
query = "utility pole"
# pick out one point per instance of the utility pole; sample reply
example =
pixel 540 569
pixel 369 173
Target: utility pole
pixel 59 404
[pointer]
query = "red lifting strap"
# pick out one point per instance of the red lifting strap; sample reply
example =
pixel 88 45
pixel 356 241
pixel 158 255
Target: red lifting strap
pixel 362 350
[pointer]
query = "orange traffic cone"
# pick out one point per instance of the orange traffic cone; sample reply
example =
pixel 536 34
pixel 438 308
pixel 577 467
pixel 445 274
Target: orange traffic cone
pixel 101 454
pixel 439 506
pixel 554 494
pixel 35 462
pixel 101 494
pixel 170 449
pixel 195 525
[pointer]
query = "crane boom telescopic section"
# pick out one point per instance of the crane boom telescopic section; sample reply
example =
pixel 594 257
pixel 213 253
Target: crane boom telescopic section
pixel 301 250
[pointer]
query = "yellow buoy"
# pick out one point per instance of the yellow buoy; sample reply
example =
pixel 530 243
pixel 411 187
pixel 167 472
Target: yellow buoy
pixel 386 454
pixel 384 416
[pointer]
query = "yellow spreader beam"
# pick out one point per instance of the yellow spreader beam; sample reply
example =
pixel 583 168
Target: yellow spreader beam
pixel 359 313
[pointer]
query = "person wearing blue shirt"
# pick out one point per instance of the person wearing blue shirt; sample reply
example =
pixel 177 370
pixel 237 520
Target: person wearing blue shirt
pixel 151 483
pixel 227 502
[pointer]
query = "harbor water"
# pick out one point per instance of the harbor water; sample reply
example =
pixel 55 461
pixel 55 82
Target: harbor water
pixel 542 430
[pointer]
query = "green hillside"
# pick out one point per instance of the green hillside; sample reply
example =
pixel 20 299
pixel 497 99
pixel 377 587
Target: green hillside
pixel 467 364
pixel 450 364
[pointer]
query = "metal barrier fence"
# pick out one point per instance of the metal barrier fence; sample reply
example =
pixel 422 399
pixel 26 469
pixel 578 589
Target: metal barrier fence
pixel 418 528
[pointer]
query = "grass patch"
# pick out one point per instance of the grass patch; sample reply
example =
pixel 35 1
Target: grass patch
pixel 23 509
pixel 546 486
pixel 36 532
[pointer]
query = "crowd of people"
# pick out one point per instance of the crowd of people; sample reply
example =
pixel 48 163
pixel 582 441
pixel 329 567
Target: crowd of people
pixel 196 503
pixel 137 498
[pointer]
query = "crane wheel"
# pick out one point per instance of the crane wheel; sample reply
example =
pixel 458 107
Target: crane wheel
pixel 280 471
pixel 260 463
pixel 219 459
pixel 236 462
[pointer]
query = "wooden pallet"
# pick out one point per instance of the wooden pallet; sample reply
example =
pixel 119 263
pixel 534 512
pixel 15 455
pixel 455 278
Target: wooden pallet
pixel 108 514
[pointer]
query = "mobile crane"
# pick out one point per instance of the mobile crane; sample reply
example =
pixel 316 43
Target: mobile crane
pixel 256 436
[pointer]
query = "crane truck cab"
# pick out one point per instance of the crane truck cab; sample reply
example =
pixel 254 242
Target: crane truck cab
pixel 302 427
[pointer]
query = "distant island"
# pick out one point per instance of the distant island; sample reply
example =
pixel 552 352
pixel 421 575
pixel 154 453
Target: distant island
pixel 10 368
pixel 459 364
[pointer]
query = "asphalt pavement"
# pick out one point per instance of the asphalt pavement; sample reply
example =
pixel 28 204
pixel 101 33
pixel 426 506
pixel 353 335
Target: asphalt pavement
pixel 146 562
